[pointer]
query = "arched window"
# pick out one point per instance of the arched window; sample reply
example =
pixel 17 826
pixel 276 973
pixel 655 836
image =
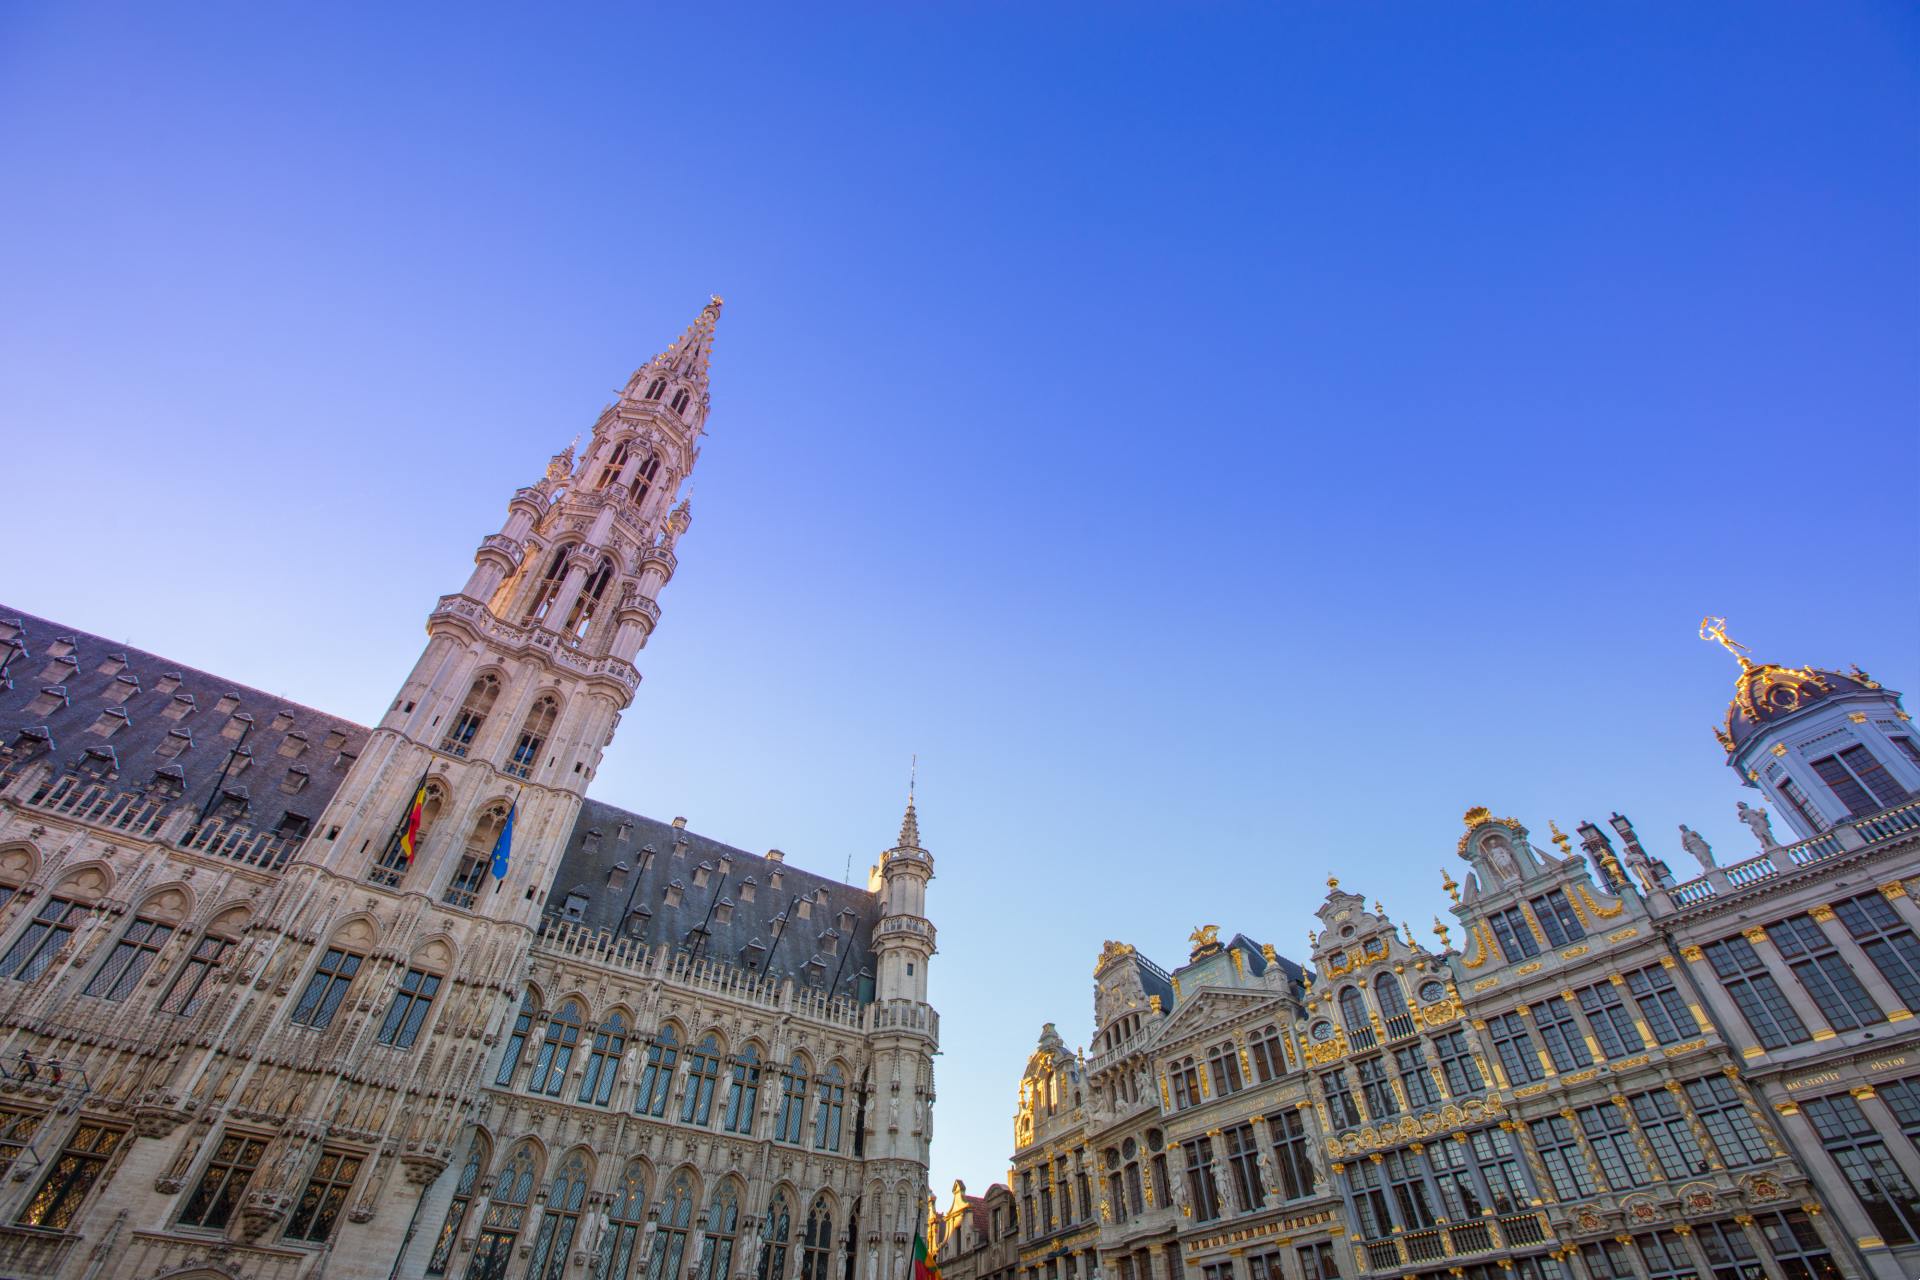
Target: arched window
pixel 680 399
pixel 723 1223
pixel 561 1220
pixel 1130 1152
pixel 473 713
pixel 581 616
pixel 533 736
pixel 610 471
pixel 609 1043
pixel 1353 1010
pixel 556 1052
pixel 774 1234
pixel 326 989
pixel 185 996
pixel 456 1217
pixel 626 1222
pixel 1386 992
pixel 393 862
pixel 549 585
pixel 506 1214
pixel 817 1242
pixel 703 1074
pixel 670 1241
pixel 643 477
pixel 517 1042
pixel 793 1101
pixel 128 960
pixel 1185 1078
pixel 744 1094
pixel 471 871
pixel 830 1100
pixel 657 389
pixel 656 1079
pixel 1223 1063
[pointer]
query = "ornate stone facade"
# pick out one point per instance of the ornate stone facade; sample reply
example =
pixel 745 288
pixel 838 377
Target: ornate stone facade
pixel 251 1030
pixel 1620 1073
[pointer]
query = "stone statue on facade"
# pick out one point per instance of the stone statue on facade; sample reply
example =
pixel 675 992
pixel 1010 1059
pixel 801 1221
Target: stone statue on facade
pixel 1694 843
pixel 1760 824
pixel 1501 856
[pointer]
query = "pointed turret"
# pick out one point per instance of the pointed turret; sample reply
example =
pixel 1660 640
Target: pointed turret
pixel 909 828
pixel 678 375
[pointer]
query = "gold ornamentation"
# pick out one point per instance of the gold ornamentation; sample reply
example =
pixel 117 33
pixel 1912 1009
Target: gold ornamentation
pixel 1755 935
pixel 1440 932
pixel 1205 940
pixel 1779 749
pixel 1112 951
pixel 1476 815
pixel 1715 630
pixel 1692 954
pixel 1858 717
pixel 1822 912
pixel 1893 889
pixel 1447 883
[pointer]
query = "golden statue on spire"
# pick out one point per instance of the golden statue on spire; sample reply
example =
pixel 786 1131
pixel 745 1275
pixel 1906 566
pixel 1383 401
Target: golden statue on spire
pixel 1715 630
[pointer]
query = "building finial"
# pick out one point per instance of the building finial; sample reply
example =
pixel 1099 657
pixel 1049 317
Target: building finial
pixel 1715 630
pixel 910 822
pixel 1447 883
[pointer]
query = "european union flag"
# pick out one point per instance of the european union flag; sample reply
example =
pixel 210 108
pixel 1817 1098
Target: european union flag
pixel 503 846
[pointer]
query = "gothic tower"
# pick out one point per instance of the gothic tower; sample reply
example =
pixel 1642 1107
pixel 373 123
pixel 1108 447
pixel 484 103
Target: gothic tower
pixel 906 1033
pixel 504 717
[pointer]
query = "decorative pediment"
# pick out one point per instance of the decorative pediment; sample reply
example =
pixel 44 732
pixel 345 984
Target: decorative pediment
pixel 1207 1008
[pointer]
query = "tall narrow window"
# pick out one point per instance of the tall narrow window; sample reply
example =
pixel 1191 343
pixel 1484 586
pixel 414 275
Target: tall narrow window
pixel 184 995
pixel 533 736
pixel 1747 979
pixel 36 949
pixel 1560 1151
pixel 744 1092
pixel 643 477
pixel 1727 1122
pixel 656 388
pixel 1493 1151
pixel 656 1078
pixel 1291 1162
pixel 506 1214
pixel 1243 1162
pixel 603 1063
pixel 1797 1247
pixel 393 862
pixel 1828 979
pixel 703 1075
pixel 16 1135
pixel 1558 920
pixel 321 1199
pixel 1662 1005
pixel 1514 1048
pixel 463 1190
pixel 793 1101
pixel 517 1041
pixel 1186 1083
pixel 325 989
pixel 222 1182
pixel 556 1051
pixel 1457 1065
pixel 129 959
pixel 1370 1199
pixel 1453 1174
pixel 1612 1024
pixel 829 1102
pixel 463 888
pixel 1888 942
pixel 1515 934
pixel 473 713
pixel 1376 1088
pixel 670 1240
pixel 775 1232
pixel 1860 781
pixel 1881 1186
pixel 550 583
pixel 610 470
pixel 1803 804
pixel 1665 1124
pixel 561 1220
pixel 1415 1076
pixel 1407 1179
pixel 681 398
pixel 626 1223
pixel 1611 1138
pixel 1223 1064
pixel 1268 1059
pixel 1202 1195
pixel 723 1224
pixel 587 605
pixel 817 1243
pixel 1353 1011
pixel 74 1172
pixel 401 1027
pixel 1340 1104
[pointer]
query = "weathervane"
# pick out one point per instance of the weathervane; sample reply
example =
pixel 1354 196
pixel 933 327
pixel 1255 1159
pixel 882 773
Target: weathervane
pixel 1715 630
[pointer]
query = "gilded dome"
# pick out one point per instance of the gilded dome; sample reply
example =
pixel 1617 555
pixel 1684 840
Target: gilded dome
pixel 1765 693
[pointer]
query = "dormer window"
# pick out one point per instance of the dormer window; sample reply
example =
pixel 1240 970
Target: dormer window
pixel 176 741
pixel 167 683
pixel 335 740
pixel 295 780
pixel 282 721
pixel 723 911
pixel 616 877
pixel 122 688
pixel 48 701
pixel 111 721
pixel 236 726
pixel 830 942
pixel 180 707
pixel 575 907
pixel 60 670
pixel 228 702
pixel 61 647
pixel 747 889
pixel 112 665
pixel 293 744
pixel 673 892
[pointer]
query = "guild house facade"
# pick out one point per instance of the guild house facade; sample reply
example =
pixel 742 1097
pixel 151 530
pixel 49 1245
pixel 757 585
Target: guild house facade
pixel 1621 1073
pixel 244 1034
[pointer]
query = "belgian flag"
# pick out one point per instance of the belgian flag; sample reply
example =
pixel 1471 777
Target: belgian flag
pixel 410 827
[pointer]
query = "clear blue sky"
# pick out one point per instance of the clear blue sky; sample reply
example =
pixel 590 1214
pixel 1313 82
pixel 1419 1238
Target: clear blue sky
pixel 1224 441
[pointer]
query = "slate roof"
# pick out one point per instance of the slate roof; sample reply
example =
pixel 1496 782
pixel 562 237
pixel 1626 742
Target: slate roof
pixel 662 884
pixel 170 729
pixel 620 870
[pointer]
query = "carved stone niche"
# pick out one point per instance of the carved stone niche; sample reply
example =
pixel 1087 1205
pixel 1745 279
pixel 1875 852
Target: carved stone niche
pixel 421 1168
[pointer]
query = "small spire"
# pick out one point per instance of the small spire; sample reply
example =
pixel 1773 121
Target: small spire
pixel 909 829
pixel 690 352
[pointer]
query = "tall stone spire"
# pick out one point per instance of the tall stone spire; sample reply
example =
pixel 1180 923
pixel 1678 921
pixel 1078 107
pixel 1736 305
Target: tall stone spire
pixel 685 360
pixel 909 828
